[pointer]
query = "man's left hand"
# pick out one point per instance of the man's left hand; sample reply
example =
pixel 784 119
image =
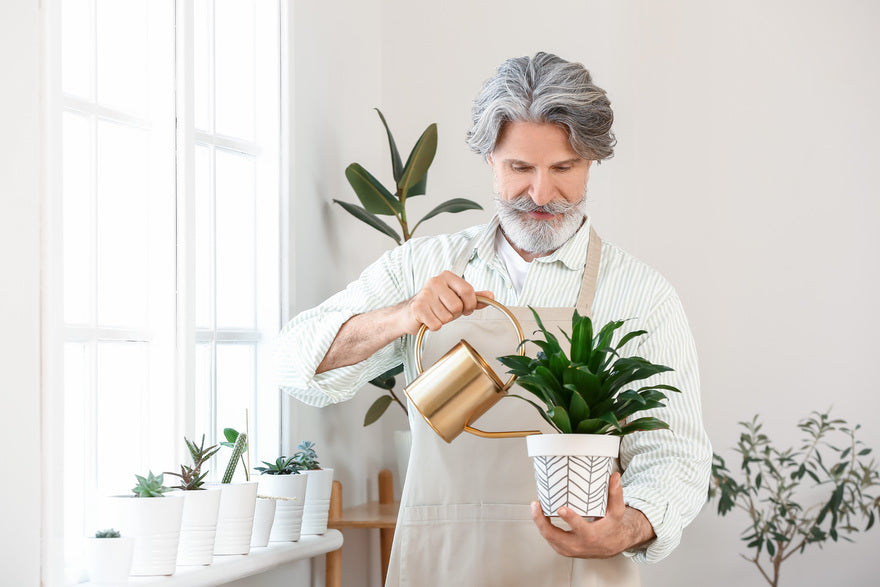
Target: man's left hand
pixel 622 528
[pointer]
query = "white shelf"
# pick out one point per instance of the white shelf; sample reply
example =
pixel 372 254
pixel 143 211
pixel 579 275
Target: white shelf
pixel 229 568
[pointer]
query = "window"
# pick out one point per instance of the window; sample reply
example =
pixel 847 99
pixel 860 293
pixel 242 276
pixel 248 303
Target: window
pixel 169 254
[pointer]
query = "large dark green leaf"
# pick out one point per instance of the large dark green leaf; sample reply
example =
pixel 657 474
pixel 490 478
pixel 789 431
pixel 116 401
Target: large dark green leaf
pixel 452 206
pixel 377 409
pixel 420 159
pixel 592 426
pixel 644 425
pixel 560 419
pixel 419 189
pixel 517 364
pixel 370 219
pixel 628 337
pixel 541 410
pixel 396 165
pixel 577 410
pixel 370 191
pixel 581 338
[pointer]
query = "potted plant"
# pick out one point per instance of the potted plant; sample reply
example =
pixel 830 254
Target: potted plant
pixel 588 398
pixel 235 518
pixel 198 527
pixel 152 520
pixel 320 483
pixel 410 180
pixel 840 488
pixel 108 557
pixel 281 480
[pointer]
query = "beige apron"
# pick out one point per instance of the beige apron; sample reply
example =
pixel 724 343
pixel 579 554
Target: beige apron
pixel 465 516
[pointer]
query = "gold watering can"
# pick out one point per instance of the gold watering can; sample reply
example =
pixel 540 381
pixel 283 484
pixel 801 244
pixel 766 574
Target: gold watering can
pixel 460 387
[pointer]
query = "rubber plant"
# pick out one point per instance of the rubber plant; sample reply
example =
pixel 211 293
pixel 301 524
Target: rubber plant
pixel 590 391
pixel 410 180
pixel 831 469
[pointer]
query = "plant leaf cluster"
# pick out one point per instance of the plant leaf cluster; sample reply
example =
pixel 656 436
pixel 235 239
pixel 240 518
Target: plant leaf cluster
pixel 238 443
pixel 410 180
pixel 591 391
pixel 282 466
pixel 192 478
pixel 830 457
pixel 150 486
pixel 306 457
pixel 386 381
pixel 108 533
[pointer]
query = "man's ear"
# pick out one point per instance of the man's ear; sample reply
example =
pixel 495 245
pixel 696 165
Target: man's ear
pixel 490 159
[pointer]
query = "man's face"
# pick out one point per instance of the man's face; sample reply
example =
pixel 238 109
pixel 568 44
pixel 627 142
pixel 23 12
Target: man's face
pixel 540 184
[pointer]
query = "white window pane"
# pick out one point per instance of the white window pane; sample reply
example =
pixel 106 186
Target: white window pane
pixel 121 416
pixel 77 217
pixel 203 390
pixel 77 44
pixel 235 388
pixel 204 239
pixel 76 432
pixel 235 236
pixel 122 237
pixel 234 67
pixel 202 73
pixel 122 54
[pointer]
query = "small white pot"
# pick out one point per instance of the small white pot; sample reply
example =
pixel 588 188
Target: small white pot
pixel 291 493
pixel 153 523
pixel 199 526
pixel 264 515
pixel 108 560
pixel 235 519
pixel 572 470
pixel 317 506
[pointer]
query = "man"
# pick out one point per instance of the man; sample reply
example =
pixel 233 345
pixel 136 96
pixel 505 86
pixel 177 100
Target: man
pixel 466 516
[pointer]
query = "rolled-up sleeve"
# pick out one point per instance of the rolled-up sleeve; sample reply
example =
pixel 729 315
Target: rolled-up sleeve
pixel 666 472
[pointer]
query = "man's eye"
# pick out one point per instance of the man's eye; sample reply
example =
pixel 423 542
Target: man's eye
pixel 564 168
pixel 520 168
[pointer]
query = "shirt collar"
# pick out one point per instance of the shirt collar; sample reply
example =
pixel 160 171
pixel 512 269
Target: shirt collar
pixel 572 253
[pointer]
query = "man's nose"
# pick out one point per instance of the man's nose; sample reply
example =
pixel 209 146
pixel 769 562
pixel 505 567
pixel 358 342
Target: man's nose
pixel 542 190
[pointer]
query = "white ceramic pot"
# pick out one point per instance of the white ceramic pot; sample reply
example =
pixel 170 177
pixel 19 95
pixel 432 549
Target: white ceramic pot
pixel 572 470
pixel 317 506
pixel 402 446
pixel 199 526
pixel 264 515
pixel 153 523
pixel 235 519
pixel 108 560
pixel 290 491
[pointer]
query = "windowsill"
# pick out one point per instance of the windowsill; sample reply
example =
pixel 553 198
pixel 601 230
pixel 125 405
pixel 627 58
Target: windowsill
pixel 229 568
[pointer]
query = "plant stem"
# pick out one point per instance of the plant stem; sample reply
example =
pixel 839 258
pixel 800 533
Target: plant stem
pixel 400 403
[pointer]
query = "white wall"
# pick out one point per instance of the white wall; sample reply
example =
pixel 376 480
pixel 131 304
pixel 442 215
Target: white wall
pixel 746 173
pixel 20 188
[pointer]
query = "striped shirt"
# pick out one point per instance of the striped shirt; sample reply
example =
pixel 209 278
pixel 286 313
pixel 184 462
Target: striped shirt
pixel 666 473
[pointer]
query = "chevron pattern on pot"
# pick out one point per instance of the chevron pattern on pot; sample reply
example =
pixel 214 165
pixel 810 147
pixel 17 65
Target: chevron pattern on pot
pixel 579 483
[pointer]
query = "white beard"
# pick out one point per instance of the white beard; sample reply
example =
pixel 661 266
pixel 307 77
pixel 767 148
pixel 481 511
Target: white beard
pixel 539 236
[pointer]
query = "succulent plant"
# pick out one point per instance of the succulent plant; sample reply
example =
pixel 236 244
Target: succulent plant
pixel 282 466
pixel 589 392
pixel 238 442
pixel 108 533
pixel 306 457
pixel 192 478
pixel 150 486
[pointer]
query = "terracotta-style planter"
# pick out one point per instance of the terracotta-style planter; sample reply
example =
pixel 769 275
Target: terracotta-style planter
pixel 153 523
pixel 264 516
pixel 572 470
pixel 108 560
pixel 235 519
pixel 317 506
pixel 199 526
pixel 290 491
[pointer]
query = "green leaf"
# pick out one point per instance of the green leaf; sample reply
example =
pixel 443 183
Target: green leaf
pixel 581 338
pixel 370 219
pixel 452 206
pixel 231 434
pixel 627 337
pixel 577 409
pixel 420 159
pixel 560 419
pixel 396 165
pixel 377 409
pixel 418 189
pixel 592 426
pixel 372 194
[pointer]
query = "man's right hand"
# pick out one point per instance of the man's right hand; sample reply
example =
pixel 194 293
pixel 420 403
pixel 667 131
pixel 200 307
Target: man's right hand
pixel 444 298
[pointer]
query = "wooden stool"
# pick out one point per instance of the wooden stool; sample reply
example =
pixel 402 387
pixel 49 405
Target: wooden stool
pixel 380 514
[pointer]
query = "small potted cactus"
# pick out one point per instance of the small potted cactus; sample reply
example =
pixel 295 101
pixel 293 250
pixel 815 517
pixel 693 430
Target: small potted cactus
pixel 320 482
pixel 282 482
pixel 108 557
pixel 235 520
pixel 200 507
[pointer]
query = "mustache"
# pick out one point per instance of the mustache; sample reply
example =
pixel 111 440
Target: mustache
pixel 524 203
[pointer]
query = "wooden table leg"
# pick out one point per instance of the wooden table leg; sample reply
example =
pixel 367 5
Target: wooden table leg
pixel 386 535
pixel 333 564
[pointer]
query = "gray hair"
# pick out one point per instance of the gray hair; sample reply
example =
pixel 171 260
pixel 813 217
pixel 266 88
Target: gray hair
pixel 547 89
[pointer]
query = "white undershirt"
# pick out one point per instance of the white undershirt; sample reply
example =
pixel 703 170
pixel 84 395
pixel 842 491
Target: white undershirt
pixel 517 267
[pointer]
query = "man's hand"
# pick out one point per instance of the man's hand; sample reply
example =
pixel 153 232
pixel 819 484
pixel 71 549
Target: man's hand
pixel 622 528
pixel 444 298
